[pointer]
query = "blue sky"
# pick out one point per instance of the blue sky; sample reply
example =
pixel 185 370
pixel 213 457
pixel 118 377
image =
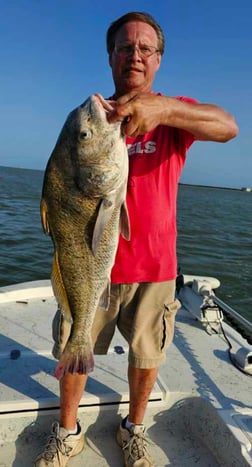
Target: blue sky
pixel 53 56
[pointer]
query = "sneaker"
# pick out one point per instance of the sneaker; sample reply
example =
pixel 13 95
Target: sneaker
pixel 60 447
pixel 134 448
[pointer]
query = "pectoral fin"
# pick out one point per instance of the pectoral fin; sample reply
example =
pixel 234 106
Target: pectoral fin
pixel 59 289
pixel 124 222
pixel 104 214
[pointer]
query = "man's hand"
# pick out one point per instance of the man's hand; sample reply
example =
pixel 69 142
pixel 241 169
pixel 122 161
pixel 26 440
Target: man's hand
pixel 139 113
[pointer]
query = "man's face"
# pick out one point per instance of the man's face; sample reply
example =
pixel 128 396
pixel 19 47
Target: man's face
pixel 133 68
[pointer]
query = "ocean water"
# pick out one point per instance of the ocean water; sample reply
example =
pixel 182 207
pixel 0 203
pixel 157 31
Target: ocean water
pixel 214 235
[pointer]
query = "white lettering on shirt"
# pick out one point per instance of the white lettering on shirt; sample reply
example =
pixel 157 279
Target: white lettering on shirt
pixel 147 147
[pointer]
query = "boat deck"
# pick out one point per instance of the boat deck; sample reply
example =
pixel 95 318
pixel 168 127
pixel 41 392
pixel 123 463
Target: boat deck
pixel 199 414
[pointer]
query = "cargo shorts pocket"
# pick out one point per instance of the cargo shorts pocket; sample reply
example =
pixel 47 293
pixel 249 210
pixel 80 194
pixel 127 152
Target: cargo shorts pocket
pixel 170 311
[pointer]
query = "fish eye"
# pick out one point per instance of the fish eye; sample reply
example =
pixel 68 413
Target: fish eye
pixel 85 134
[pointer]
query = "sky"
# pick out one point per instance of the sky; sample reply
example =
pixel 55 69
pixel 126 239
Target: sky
pixel 53 56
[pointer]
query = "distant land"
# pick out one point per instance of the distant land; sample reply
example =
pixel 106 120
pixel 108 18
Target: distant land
pixel 246 189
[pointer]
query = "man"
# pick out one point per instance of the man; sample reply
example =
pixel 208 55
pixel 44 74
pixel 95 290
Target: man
pixel 159 130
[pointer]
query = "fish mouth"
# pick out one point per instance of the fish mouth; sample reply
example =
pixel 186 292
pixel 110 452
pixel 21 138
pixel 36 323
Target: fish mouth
pixel 106 107
pixel 107 104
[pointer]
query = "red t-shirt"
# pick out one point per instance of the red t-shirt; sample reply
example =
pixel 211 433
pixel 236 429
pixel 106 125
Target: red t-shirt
pixel 156 160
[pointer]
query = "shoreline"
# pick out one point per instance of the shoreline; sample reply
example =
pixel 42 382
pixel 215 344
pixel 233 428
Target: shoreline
pixel 216 187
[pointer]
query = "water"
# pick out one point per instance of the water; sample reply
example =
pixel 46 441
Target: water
pixel 214 235
pixel 215 239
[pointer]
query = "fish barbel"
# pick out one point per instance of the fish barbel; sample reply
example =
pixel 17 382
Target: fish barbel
pixel 83 209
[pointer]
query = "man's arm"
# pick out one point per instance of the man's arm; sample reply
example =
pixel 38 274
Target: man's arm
pixel 207 122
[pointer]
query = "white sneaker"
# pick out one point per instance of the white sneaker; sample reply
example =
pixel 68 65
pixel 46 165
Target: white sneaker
pixel 133 443
pixel 60 447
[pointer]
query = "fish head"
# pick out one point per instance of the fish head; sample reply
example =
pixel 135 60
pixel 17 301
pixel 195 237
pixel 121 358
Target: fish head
pixel 92 129
pixel 98 149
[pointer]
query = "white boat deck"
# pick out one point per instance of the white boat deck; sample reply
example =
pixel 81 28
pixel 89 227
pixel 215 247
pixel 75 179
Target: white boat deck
pixel 200 411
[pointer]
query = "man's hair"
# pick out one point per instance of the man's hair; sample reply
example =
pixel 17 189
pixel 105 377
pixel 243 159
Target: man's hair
pixel 134 16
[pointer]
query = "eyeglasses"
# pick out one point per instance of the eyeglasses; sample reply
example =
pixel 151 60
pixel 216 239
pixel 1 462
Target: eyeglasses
pixel 125 50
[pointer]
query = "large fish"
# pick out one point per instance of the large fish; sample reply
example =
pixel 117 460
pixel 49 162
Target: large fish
pixel 83 209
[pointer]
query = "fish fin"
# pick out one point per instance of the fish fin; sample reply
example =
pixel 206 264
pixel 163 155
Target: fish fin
pixel 59 289
pixel 124 222
pixel 44 216
pixel 75 361
pixel 104 214
pixel 105 297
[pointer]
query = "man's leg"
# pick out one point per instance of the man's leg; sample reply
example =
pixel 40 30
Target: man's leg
pixel 130 435
pixel 66 438
pixel 141 382
pixel 146 320
pixel 149 309
pixel 71 390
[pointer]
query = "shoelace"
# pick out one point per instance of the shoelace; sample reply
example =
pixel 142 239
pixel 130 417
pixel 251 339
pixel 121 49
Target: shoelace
pixel 136 445
pixel 55 443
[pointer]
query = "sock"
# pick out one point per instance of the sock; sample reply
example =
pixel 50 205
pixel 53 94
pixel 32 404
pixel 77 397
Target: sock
pixel 74 431
pixel 127 424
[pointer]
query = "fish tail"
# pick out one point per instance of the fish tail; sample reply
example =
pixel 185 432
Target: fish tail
pixel 79 361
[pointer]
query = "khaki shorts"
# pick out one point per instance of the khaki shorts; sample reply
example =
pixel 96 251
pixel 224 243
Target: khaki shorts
pixel 144 314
